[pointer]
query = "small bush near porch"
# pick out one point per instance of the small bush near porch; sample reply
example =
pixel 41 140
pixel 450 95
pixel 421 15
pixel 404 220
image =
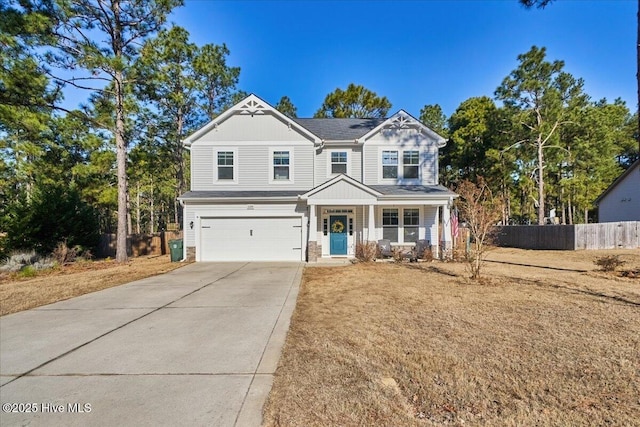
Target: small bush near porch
pixel 545 339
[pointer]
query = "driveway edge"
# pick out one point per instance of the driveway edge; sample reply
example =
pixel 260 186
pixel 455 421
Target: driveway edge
pixel 251 412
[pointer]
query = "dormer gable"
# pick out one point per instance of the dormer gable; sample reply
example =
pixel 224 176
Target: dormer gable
pixel 403 125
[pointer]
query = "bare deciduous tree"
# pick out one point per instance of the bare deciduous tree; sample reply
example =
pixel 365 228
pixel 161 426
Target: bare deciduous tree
pixel 481 211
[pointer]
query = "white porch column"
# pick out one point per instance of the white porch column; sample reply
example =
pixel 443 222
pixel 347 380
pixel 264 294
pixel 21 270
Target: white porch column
pixel 371 228
pixel 447 243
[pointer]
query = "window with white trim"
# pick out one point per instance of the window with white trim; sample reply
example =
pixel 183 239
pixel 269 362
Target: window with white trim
pixel 390 224
pixel 338 162
pixel 410 224
pixel 410 164
pixel 225 165
pixel 281 165
pixel 389 164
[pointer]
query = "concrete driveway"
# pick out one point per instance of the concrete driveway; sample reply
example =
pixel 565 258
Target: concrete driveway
pixel 197 347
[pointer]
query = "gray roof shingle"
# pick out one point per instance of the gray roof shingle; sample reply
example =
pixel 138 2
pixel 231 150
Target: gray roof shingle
pixel 339 129
pixel 413 190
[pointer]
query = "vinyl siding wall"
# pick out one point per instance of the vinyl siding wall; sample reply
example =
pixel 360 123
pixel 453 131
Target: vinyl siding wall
pixel 622 203
pixel 253 139
pixel 372 157
pixel 323 162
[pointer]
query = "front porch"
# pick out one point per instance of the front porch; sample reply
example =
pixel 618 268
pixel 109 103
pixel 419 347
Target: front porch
pixel 335 230
pixel 343 212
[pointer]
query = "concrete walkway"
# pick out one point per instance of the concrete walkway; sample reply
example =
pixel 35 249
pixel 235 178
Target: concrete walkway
pixel 196 347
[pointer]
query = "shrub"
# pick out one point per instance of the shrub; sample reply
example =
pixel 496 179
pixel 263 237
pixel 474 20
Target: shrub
pixel 64 254
pixel 427 255
pixel 366 252
pixel 26 261
pixel 609 262
pixel 398 256
pixel 52 214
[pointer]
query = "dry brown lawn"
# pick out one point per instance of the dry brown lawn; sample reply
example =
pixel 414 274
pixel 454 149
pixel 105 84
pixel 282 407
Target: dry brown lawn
pixel 76 279
pixel 547 341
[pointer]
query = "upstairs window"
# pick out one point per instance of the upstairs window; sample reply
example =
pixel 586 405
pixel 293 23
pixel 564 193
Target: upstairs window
pixel 411 221
pixel 390 224
pixel 410 164
pixel 339 162
pixel 281 165
pixel 225 165
pixel 390 165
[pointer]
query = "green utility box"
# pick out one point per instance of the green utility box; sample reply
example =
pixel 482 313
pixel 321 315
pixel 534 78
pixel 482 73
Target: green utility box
pixel 175 247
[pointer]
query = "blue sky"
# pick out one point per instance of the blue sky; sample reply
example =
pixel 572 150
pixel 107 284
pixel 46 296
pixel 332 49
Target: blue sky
pixel 413 52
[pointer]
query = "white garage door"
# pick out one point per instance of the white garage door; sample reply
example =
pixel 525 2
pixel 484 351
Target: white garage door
pixel 250 239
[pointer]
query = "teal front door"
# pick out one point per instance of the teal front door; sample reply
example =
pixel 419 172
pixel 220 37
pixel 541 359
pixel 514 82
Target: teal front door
pixel 338 235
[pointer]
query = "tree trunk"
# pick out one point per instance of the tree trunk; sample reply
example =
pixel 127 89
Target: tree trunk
pixel 540 182
pixel 138 209
pixel 153 217
pixel 570 209
pixel 121 146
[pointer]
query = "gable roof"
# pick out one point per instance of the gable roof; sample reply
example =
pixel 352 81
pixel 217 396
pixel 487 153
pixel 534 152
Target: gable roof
pixel 325 129
pixel 340 129
pixel 404 120
pixel 340 178
pixel 617 181
pixel 252 104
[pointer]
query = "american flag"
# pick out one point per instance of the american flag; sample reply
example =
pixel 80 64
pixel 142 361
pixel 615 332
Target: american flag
pixel 454 222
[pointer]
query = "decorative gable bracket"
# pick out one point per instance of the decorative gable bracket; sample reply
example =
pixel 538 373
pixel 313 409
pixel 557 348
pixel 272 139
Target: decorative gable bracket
pixel 252 106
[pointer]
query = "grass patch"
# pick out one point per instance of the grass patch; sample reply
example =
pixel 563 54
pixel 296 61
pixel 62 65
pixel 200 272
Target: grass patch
pixel 546 340
pixel 22 291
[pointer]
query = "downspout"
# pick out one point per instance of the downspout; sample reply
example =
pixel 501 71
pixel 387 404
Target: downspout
pixel 184 233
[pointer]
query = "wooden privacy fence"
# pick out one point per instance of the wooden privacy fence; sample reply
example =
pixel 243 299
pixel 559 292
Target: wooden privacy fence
pixel 606 235
pixel 138 244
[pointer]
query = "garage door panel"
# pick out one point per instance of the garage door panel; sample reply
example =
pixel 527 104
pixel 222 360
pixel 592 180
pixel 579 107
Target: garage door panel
pixel 251 239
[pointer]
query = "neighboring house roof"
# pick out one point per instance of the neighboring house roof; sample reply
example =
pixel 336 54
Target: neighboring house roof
pixel 339 129
pixel 617 181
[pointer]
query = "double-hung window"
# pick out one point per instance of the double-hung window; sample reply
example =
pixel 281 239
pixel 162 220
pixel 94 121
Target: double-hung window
pixel 338 162
pixel 281 165
pixel 389 164
pixel 225 165
pixel 410 163
pixel 410 223
pixel 408 229
pixel 390 224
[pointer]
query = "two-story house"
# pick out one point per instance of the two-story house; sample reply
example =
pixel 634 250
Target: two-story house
pixel 265 187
